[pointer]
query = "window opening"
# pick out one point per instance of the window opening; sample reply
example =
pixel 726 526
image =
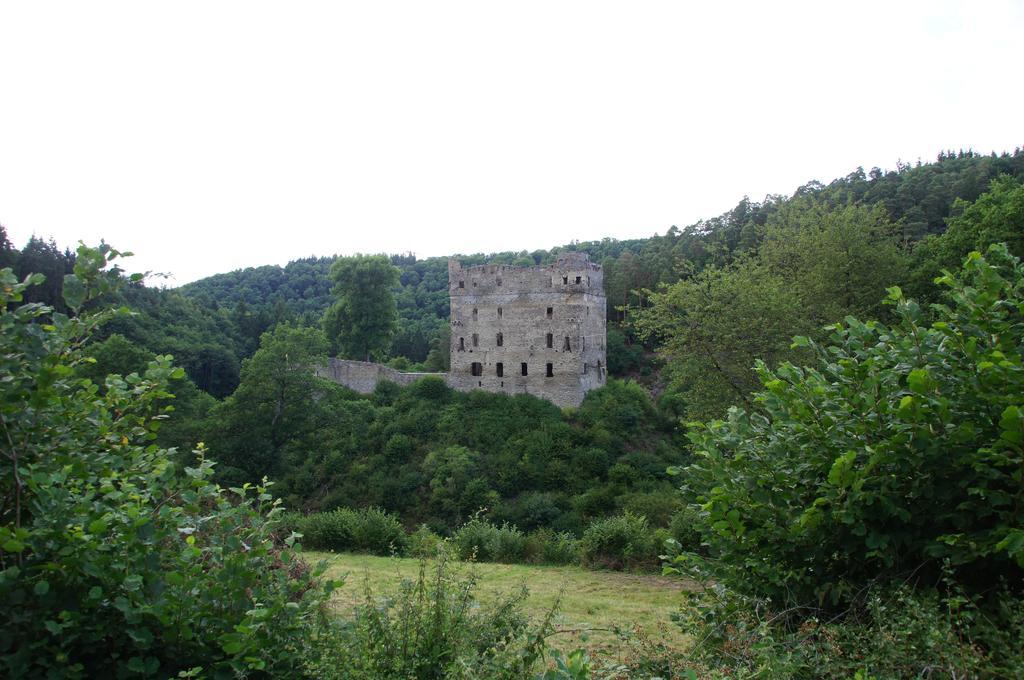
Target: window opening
pixel 551 340
pixel 476 340
pixel 500 370
pixel 565 345
pixel 462 284
pixel 565 280
pixel 522 368
pixel 499 312
pixel 462 344
pixel 499 339
pixel 476 368
pixel 551 312
pixel 578 279
pixel 551 370
pixel 474 314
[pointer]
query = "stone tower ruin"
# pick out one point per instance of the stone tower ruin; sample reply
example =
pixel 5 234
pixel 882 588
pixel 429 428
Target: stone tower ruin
pixel 529 330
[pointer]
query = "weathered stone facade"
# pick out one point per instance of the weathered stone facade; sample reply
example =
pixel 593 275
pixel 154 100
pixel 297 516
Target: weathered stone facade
pixel 533 330
pixel 517 330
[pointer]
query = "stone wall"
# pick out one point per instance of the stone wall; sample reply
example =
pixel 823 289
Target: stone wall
pixel 363 376
pixel 529 330
pixel 517 330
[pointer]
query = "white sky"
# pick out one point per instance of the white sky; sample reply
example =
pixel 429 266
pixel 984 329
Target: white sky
pixel 208 136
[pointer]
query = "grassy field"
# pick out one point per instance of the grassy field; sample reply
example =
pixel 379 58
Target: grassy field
pixel 593 601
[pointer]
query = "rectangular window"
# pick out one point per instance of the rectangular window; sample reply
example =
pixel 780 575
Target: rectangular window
pixel 499 312
pixel 462 284
pixel 565 345
pixel 500 370
pixel 476 368
pixel 474 314
pixel 565 280
pixel 476 340
pixel 551 312
pixel 462 344
pixel 577 279
pixel 551 370
pixel 551 340
pixel 522 368
pixel 499 340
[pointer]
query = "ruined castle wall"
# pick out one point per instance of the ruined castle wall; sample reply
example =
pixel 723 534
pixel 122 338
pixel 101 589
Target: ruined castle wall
pixel 549 318
pixel 517 330
pixel 363 376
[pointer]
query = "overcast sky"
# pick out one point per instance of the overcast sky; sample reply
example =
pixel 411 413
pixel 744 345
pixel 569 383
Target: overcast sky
pixel 208 136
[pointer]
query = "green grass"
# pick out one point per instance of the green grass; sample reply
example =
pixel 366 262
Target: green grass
pixel 596 601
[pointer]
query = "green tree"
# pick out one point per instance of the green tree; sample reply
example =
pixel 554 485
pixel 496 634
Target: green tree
pixel 113 561
pixel 838 261
pixel 714 326
pixel 363 318
pixel 273 404
pixel 900 447
pixel 996 217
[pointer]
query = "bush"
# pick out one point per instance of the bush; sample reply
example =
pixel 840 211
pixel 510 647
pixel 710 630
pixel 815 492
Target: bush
pixel 424 543
pixel 619 542
pixel 368 530
pixel 433 627
pixel 900 448
pixel 545 546
pixel 485 542
pixel 893 632
pixel 685 529
pixel 378 532
pixel 113 561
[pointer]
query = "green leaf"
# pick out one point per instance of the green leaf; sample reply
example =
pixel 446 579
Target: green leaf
pixel 42 588
pixel 13 545
pixel 841 475
pixel 74 291
pixel 920 381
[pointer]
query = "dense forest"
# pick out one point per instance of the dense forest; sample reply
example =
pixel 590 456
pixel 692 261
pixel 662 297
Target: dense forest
pixel 814 409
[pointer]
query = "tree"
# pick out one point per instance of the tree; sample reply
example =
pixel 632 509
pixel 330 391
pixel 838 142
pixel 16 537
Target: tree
pixel 996 217
pixel 714 326
pixel 114 562
pixel 838 261
pixel 273 403
pixel 363 318
pixel 900 447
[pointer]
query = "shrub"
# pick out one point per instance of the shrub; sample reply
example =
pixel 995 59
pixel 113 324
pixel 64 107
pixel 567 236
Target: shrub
pixel 618 542
pixel 368 530
pixel 378 532
pixel 545 546
pixel 483 541
pixel 424 543
pixel 894 632
pixel 433 627
pixel 901 447
pixel 685 529
pixel 657 506
pixel 325 530
pixel 113 561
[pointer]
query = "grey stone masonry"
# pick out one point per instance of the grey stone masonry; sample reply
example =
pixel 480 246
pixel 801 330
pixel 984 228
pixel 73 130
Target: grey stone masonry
pixel 518 330
pixel 529 330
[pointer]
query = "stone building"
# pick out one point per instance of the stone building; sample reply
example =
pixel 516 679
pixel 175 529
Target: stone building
pixel 518 330
pixel 533 330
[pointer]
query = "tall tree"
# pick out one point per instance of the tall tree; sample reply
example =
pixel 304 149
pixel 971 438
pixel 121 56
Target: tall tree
pixel 363 318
